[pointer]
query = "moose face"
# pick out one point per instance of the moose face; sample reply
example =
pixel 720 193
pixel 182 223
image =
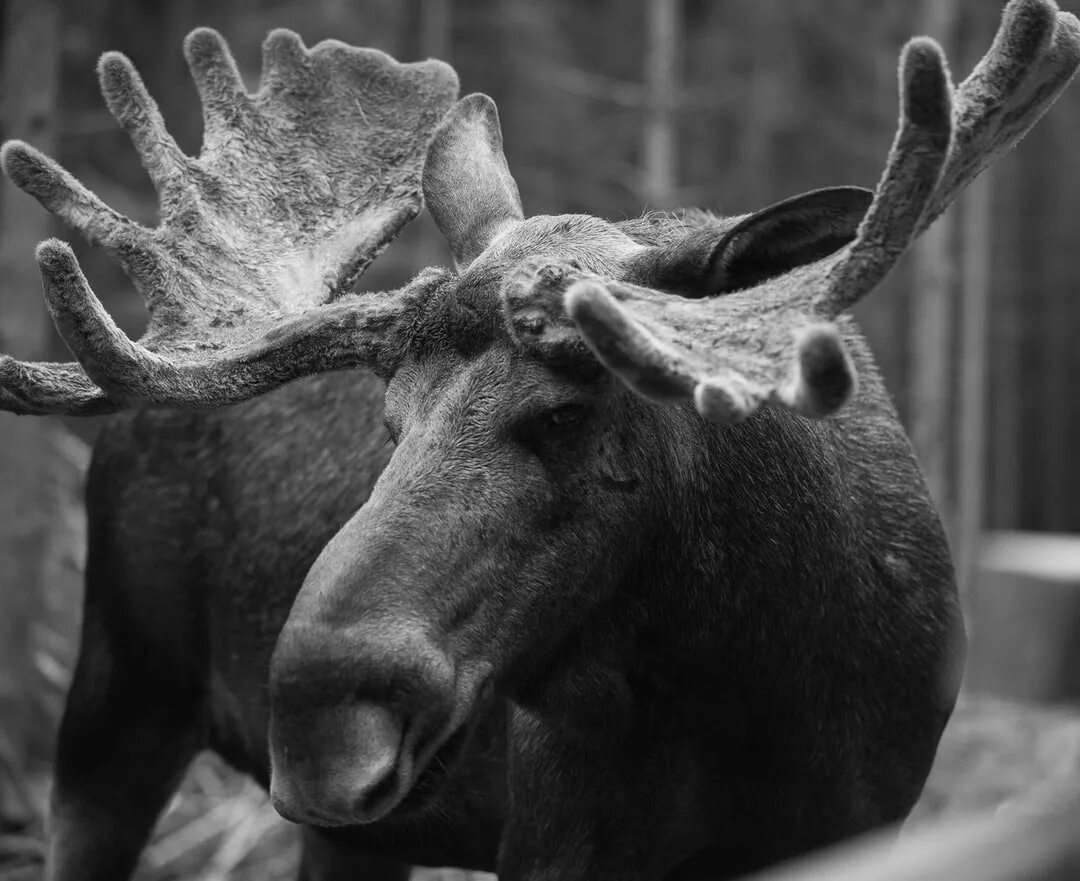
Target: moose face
pixel 500 523
pixel 528 494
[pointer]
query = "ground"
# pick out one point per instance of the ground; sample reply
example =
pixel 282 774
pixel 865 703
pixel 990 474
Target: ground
pixel 220 825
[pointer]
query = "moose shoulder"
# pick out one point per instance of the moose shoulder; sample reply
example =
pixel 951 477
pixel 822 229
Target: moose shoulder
pixel 648 583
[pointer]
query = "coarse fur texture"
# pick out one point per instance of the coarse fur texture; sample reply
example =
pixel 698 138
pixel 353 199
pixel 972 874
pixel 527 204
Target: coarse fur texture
pixel 555 628
pixel 297 189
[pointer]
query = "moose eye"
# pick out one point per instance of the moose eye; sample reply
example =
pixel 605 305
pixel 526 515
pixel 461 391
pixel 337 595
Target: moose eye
pixel 564 417
pixel 538 428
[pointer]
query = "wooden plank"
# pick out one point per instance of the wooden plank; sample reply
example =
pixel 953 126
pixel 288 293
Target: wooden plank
pixel 659 140
pixel 976 232
pixel 1023 614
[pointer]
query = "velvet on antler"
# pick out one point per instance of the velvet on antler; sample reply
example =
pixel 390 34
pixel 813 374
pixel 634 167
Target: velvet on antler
pixel 777 341
pixel 297 189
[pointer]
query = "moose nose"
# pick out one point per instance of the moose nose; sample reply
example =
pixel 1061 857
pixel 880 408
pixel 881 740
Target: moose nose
pixel 342 768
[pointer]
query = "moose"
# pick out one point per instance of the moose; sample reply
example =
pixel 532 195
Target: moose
pixel 647 584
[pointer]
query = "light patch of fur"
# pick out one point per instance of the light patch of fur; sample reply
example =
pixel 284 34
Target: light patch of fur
pixel 594 244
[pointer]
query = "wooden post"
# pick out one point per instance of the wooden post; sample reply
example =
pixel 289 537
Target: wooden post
pixel 976 232
pixel 659 141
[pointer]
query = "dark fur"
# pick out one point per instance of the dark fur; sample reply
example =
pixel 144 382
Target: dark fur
pixel 706 646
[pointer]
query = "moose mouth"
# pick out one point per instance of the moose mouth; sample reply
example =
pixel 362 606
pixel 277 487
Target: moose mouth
pixel 433 776
pixel 409 788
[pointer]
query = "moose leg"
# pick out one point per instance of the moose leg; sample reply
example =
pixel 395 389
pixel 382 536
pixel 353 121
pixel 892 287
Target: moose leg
pixel 325 859
pixel 127 735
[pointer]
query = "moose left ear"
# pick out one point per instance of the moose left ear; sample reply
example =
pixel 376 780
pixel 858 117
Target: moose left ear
pixel 797 231
pixel 467 186
pixel 762 245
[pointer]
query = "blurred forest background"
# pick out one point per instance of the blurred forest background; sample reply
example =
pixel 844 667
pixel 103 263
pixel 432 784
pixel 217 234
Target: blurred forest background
pixel 608 107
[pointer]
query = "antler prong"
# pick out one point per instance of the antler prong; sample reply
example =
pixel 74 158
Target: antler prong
pixel 61 194
pixel 217 79
pixel 1034 55
pixel 119 366
pixel 823 377
pixel 628 349
pixel 283 62
pixel 724 398
pixel 1024 36
pixel 42 389
pixel 918 154
pixel 138 114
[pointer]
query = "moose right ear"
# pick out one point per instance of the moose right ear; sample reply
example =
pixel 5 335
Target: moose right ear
pixel 794 232
pixel 467 184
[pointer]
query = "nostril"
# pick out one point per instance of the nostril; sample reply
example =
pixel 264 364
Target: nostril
pixel 338 766
pixel 377 736
pixel 380 793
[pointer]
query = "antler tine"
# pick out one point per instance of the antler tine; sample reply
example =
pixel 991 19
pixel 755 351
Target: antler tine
pixel 217 80
pixel 283 60
pixel 41 389
pixel 61 194
pixel 297 189
pixel 915 162
pixel 138 115
pixel 1034 55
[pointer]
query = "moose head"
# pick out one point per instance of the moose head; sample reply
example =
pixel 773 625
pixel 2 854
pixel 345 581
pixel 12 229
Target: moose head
pixel 611 438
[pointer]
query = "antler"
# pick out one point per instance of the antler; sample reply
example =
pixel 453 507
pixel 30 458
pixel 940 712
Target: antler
pixel 297 189
pixel 776 343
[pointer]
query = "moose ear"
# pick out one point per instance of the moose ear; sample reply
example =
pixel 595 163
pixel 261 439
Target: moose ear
pixel 716 259
pixel 467 185
pixel 797 231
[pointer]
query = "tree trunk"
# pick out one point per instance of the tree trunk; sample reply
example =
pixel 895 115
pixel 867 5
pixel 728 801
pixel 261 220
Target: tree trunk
pixel 971 405
pixel 659 142
pixel 933 279
pixel 30 72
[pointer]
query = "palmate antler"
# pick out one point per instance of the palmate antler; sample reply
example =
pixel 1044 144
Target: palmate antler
pixel 298 187
pixel 775 342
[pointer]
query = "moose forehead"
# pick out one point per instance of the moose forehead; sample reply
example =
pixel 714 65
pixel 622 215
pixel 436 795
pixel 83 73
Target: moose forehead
pixel 594 244
pixel 464 314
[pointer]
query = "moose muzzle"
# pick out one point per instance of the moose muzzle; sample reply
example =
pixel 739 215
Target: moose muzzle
pixel 357 713
pixel 341 767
